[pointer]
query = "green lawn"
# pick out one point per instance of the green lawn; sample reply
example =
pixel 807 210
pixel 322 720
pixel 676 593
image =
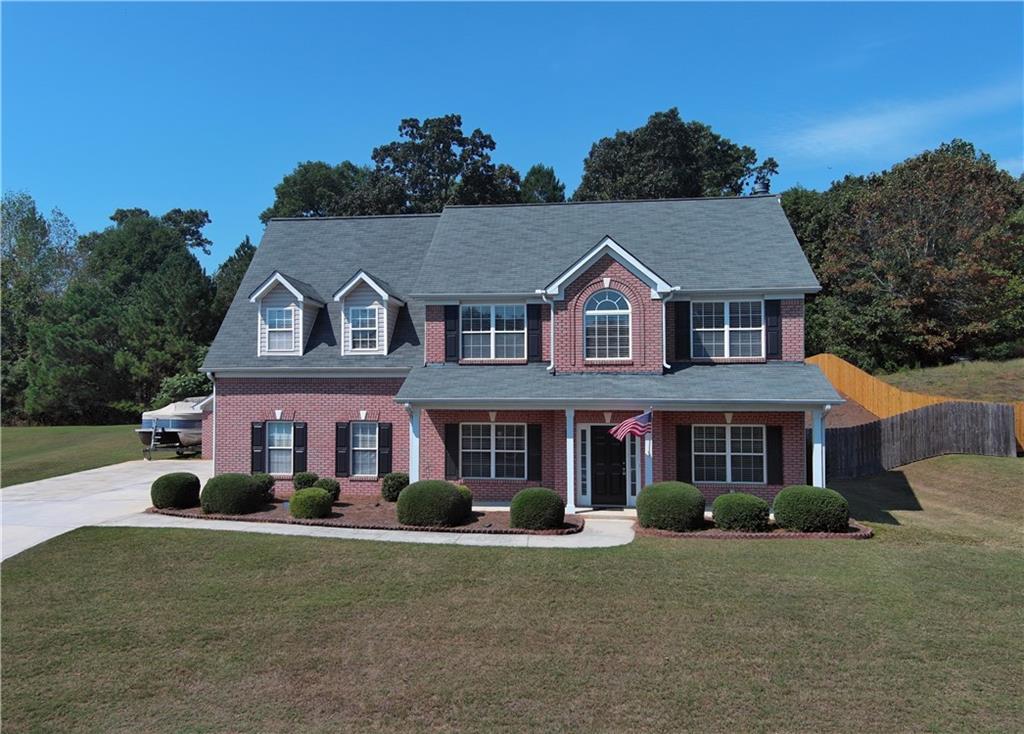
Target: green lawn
pixel 996 381
pixel 919 629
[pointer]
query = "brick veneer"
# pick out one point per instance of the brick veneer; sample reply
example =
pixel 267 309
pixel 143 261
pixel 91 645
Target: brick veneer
pixel 208 435
pixel 320 403
pixel 791 312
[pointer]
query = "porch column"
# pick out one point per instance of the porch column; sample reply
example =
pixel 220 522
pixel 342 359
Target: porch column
pixel 570 460
pixel 414 444
pixel 818 448
pixel 649 453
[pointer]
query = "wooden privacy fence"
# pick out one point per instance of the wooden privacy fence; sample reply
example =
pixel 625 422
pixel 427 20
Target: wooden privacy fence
pixel 885 400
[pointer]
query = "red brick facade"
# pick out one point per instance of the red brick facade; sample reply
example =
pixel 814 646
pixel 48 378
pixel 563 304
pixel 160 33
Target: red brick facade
pixel 791 312
pixel 434 335
pixel 208 435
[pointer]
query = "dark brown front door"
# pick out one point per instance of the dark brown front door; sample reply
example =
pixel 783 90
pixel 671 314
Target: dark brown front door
pixel 607 467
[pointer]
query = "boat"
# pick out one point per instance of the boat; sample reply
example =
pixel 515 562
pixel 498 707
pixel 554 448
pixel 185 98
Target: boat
pixel 178 425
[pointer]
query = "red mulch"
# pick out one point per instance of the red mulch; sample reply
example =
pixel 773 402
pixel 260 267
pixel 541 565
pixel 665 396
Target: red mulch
pixel 856 531
pixel 371 514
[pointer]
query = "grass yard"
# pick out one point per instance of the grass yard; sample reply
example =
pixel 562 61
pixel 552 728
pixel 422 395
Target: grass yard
pixel 30 453
pixel 995 381
pixel 919 629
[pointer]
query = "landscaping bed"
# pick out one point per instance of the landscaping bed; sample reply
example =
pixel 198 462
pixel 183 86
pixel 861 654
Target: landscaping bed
pixel 856 531
pixel 374 514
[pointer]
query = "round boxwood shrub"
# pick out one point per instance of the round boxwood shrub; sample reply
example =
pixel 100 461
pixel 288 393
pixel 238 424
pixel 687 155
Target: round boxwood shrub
pixel 741 511
pixel 304 479
pixel 265 482
pixel 179 490
pixel 331 486
pixel 231 494
pixel 311 502
pixel 812 510
pixel 537 508
pixel 393 485
pixel 467 498
pixel 431 503
pixel 675 506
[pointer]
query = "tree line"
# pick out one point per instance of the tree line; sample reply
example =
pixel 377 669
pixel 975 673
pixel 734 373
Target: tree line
pixel 918 263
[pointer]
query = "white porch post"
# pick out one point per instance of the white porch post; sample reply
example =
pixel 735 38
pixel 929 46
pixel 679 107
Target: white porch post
pixel 649 453
pixel 818 448
pixel 570 460
pixel 414 444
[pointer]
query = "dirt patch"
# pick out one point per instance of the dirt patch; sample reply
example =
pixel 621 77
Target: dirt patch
pixel 844 415
pixel 856 531
pixel 372 514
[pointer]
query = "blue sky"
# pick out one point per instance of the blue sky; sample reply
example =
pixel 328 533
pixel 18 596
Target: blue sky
pixel 209 105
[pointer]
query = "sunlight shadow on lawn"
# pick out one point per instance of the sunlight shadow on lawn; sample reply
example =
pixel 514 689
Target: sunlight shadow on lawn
pixel 874 498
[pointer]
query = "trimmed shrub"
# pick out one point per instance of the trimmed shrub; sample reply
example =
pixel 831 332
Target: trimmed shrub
pixel 537 508
pixel 812 510
pixel 311 502
pixel 393 485
pixel 431 503
pixel 231 494
pixel 675 506
pixel 741 511
pixel 331 486
pixel 265 482
pixel 179 490
pixel 467 498
pixel 304 479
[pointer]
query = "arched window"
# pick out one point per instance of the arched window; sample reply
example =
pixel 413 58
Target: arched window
pixel 606 325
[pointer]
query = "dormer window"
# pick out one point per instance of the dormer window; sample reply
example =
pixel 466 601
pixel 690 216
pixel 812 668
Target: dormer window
pixel 287 309
pixel 363 321
pixel 280 330
pixel 369 311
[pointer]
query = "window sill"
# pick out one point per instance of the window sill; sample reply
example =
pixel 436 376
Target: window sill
pixel 512 360
pixel 617 361
pixel 364 478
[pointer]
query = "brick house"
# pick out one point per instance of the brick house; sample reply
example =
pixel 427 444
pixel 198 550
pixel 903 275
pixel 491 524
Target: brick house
pixel 497 345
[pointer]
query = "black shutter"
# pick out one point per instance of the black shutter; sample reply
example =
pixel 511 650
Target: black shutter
pixel 299 448
pixel 383 448
pixel 682 334
pixel 451 450
pixel 259 447
pixel 684 455
pixel 451 333
pixel 534 455
pixel 533 350
pixel 773 446
pixel 341 450
pixel 772 330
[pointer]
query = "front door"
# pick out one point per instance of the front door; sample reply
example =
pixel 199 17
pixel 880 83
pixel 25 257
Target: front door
pixel 607 467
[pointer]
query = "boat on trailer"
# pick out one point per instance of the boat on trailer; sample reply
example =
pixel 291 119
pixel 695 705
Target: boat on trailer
pixel 178 426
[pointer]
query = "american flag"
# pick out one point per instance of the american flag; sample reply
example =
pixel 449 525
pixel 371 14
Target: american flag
pixel 638 425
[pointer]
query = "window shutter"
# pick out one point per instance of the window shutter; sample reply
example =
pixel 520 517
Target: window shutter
pixel 684 453
pixel 451 450
pixel 534 452
pixel 772 330
pixel 682 334
pixel 341 464
pixel 773 449
pixel 299 448
pixel 451 333
pixel 383 448
pixel 533 350
pixel 259 447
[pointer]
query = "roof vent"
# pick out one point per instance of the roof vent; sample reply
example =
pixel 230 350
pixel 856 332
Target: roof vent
pixel 760 187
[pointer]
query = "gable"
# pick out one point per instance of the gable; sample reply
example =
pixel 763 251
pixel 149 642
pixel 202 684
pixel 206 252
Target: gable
pixel 610 249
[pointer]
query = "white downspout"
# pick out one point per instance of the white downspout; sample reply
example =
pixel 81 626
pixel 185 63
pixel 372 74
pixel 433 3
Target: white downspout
pixel 664 342
pixel 551 329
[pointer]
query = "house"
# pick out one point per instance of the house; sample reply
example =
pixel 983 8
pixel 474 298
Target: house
pixel 497 345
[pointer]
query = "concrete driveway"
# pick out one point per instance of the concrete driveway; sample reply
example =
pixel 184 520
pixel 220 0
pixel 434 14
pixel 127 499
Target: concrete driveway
pixel 37 511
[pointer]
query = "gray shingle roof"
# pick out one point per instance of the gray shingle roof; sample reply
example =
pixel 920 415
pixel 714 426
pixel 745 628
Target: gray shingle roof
pixel 793 382
pixel 696 244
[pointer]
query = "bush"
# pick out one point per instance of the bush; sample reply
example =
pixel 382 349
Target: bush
pixel 179 490
pixel 393 485
pixel 331 486
pixel 673 506
pixel 304 479
pixel 431 503
pixel 232 494
pixel 812 510
pixel 467 498
pixel 311 502
pixel 265 482
pixel 537 508
pixel 741 511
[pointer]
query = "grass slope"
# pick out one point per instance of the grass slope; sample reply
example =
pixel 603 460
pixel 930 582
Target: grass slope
pixel 996 381
pixel 109 629
pixel 31 453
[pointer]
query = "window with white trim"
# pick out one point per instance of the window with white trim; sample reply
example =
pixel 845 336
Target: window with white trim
pixel 606 326
pixel 732 454
pixel 364 442
pixel 493 332
pixel 280 445
pixel 280 329
pixel 492 450
pixel 727 328
pixel 363 325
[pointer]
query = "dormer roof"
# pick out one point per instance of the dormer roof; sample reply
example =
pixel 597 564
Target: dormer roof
pixel 385 291
pixel 303 292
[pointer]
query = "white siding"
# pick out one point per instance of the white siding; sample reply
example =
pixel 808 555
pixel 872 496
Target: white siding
pixel 280 297
pixel 363 296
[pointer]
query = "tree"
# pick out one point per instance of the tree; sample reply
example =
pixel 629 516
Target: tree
pixel 318 189
pixel 228 277
pixel 668 158
pixel 188 383
pixel 541 186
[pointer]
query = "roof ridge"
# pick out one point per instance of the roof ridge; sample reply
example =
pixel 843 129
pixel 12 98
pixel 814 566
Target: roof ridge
pixel 615 201
pixel 355 216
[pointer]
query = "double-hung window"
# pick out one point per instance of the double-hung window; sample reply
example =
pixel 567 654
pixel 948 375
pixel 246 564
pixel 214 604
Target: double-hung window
pixel 364 443
pixel 280 330
pixel 280 445
pixel 727 328
pixel 494 332
pixel 493 450
pixel 363 324
pixel 733 454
